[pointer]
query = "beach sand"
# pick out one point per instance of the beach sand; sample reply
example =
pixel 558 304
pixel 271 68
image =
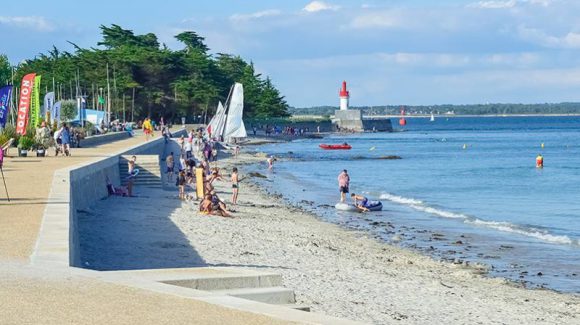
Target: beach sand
pixel 337 272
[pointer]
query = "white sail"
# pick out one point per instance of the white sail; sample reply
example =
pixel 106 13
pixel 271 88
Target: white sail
pixel 234 127
pixel 214 124
pixel 432 117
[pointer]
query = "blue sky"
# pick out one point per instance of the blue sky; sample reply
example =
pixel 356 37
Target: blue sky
pixel 390 52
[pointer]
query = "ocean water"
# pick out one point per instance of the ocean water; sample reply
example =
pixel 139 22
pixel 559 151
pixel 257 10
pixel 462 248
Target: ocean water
pixel 466 189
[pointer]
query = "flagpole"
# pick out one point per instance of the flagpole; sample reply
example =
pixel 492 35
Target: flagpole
pixel 133 106
pixel 108 98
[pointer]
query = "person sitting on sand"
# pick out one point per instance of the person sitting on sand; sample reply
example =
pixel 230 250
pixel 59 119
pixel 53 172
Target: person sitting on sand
pixel 218 205
pixel 205 205
pixel 209 205
pixel 360 202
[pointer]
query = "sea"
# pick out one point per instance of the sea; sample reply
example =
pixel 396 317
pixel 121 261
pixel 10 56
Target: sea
pixel 466 190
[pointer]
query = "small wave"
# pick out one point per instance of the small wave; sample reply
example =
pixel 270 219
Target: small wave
pixel 400 199
pixel 497 225
pixel 530 232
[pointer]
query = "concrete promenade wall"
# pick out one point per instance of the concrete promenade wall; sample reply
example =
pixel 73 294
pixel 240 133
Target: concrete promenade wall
pixel 75 189
pixel 96 140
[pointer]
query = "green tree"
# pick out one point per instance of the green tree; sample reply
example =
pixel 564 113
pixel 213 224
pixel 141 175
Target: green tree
pixel 5 70
pixel 68 110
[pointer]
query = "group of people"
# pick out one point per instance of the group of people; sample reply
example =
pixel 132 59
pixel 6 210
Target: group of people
pixel 361 202
pixel 193 170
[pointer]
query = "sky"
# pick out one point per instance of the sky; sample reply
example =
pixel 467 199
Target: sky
pixel 391 52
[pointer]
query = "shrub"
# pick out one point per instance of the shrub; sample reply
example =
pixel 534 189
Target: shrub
pixel 25 143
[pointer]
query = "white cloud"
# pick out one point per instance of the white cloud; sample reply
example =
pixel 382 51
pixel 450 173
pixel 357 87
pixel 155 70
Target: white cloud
pixel 29 22
pixel 387 19
pixel 316 6
pixel 256 15
pixel 506 4
pixel 494 4
pixel 569 41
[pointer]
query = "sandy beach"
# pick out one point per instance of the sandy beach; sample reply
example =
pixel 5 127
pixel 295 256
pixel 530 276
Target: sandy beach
pixel 337 272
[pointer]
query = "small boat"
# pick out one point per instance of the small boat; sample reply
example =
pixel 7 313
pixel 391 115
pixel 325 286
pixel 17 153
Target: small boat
pixel 432 118
pixel 343 146
pixel 374 205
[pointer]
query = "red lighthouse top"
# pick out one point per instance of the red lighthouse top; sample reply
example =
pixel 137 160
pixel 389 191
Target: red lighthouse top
pixel 343 91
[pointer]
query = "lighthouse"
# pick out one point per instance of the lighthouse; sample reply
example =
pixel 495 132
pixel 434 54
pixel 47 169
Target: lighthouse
pixel 344 95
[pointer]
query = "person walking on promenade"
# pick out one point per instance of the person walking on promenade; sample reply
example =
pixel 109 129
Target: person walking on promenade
pixel 147 128
pixel 343 184
pixel 65 139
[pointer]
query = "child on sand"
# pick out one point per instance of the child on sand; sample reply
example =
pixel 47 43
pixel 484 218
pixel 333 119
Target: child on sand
pixel 271 161
pixel 235 186
pixel 181 181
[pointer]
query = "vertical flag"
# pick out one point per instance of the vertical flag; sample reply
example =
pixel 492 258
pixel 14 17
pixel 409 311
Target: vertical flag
pixel 48 103
pixel 56 112
pixel 24 103
pixel 5 96
pixel 35 103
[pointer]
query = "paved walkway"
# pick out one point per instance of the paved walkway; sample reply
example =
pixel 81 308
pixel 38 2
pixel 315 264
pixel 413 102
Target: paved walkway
pixel 33 295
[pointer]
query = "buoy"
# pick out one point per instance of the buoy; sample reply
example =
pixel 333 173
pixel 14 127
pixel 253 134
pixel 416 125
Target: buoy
pixel 372 148
pixel 539 161
pixel 464 146
pixel 542 145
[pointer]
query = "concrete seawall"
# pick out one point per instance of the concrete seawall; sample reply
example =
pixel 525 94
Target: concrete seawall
pixel 75 189
pixel 96 140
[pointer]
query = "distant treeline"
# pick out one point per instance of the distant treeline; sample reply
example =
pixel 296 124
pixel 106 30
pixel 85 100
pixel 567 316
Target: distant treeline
pixel 147 75
pixel 478 109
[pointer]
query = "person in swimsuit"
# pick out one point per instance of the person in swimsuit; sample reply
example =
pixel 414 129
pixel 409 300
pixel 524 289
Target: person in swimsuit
pixel 235 186
pixel 360 202
pixel 343 184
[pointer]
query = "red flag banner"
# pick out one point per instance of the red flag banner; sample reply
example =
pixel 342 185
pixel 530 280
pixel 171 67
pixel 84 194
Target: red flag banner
pixel 24 102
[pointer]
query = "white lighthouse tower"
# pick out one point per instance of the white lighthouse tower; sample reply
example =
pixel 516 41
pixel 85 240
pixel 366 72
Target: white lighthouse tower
pixel 344 96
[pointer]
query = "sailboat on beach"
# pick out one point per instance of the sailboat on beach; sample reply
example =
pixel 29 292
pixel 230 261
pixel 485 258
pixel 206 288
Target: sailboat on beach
pixel 227 124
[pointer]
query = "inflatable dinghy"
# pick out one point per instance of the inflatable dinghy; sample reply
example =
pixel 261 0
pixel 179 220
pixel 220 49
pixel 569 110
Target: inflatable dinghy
pixel 374 206
pixel 342 206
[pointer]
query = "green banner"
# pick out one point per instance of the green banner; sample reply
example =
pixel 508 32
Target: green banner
pixel 35 103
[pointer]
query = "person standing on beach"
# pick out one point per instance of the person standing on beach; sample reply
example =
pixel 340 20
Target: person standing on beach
pixel 271 161
pixel 181 181
pixel 169 161
pixel 343 184
pixel 235 185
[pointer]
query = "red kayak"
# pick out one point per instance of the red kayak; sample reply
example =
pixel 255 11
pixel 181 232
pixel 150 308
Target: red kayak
pixel 335 146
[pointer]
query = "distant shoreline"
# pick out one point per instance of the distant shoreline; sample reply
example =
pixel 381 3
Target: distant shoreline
pixel 470 115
